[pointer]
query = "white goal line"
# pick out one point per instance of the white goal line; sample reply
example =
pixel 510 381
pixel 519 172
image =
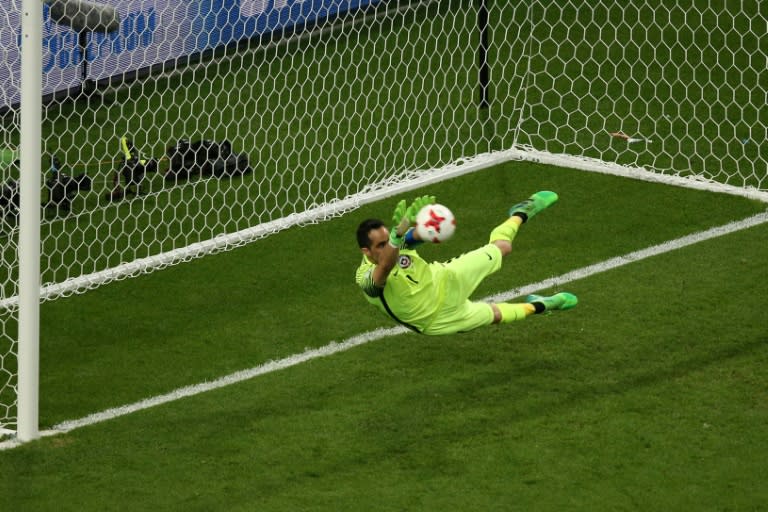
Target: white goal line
pixel 335 347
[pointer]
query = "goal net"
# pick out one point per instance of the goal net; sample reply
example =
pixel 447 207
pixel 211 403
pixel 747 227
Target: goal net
pixel 196 127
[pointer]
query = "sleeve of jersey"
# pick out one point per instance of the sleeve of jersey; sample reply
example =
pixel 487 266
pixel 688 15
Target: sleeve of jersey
pixel 365 281
pixel 410 242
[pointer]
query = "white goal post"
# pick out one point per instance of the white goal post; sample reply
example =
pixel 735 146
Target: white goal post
pixel 160 131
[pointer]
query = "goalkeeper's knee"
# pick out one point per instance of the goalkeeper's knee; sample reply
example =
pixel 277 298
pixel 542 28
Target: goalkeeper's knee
pixel 506 231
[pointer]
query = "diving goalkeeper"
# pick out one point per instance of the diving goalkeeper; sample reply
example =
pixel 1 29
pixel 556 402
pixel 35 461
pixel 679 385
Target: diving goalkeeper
pixel 433 298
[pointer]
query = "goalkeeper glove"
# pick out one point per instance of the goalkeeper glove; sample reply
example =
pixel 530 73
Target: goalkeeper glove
pixel 400 223
pixel 416 206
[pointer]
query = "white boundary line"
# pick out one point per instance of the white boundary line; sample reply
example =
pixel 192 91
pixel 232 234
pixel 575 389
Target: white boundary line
pixel 377 334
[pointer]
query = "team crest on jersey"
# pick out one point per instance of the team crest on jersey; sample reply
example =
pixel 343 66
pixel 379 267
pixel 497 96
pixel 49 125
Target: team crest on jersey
pixel 404 261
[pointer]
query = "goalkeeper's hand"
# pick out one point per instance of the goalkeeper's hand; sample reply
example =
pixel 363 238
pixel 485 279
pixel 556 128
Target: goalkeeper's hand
pixel 416 206
pixel 400 223
pixel 405 216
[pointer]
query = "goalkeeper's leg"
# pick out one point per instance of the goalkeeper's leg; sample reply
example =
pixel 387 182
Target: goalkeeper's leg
pixel 505 312
pixel 467 316
pixel 503 234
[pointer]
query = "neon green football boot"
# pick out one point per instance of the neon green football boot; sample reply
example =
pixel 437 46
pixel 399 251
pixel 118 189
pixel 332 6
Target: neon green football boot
pixel 560 301
pixel 534 204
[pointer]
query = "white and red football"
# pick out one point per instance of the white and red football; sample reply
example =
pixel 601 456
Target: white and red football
pixel 435 223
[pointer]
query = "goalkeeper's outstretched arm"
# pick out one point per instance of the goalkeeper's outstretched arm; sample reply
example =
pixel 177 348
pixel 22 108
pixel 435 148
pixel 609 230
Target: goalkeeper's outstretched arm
pixel 386 254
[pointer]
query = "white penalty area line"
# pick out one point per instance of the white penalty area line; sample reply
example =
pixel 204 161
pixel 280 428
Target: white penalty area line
pixel 377 334
pixel 732 227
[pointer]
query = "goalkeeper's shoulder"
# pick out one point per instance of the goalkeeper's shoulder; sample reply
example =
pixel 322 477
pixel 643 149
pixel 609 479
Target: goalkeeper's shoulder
pixel 364 266
pixel 364 278
pixel 364 273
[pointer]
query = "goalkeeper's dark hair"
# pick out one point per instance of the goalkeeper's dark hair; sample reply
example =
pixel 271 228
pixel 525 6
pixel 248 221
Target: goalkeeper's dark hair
pixel 365 227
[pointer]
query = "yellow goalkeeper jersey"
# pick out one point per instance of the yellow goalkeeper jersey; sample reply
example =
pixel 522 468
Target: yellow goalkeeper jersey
pixel 414 291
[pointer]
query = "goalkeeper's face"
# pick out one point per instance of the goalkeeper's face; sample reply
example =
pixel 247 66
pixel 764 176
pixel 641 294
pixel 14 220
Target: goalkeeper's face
pixel 379 238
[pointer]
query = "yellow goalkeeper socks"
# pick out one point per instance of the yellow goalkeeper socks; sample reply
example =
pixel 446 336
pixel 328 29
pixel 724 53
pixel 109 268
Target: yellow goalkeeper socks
pixel 506 231
pixel 514 312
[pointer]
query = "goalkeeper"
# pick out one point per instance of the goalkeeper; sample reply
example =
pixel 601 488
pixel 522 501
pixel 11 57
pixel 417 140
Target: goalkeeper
pixel 433 298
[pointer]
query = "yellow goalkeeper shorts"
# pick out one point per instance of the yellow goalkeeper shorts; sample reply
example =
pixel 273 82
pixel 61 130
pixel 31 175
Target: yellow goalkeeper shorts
pixel 462 276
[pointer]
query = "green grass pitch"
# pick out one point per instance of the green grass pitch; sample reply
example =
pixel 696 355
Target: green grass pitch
pixel 650 395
